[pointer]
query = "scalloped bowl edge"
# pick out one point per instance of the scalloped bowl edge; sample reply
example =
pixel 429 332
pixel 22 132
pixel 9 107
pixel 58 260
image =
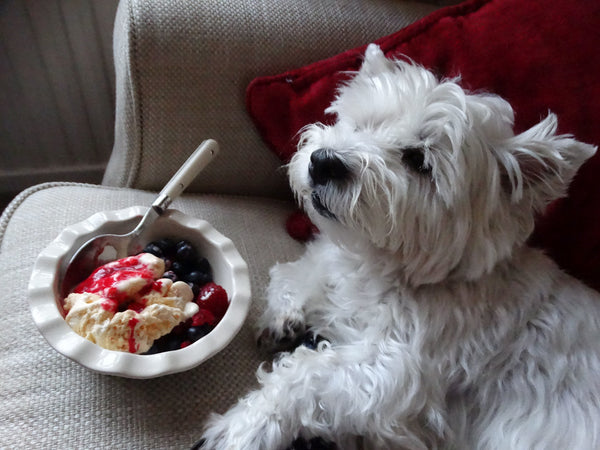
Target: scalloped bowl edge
pixel 229 268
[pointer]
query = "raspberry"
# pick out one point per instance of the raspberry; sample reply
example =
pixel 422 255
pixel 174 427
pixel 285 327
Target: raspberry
pixel 203 317
pixel 181 329
pixel 214 298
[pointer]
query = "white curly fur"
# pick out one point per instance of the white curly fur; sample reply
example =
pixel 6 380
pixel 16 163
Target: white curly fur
pixel 444 330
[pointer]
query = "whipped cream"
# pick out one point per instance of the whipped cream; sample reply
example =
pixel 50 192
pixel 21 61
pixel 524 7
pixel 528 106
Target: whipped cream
pixel 125 305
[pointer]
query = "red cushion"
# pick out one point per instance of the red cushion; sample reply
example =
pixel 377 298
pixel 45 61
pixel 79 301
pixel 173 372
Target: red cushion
pixel 537 54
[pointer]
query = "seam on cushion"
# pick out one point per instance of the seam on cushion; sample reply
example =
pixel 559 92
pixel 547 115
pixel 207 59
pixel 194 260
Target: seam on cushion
pixel 136 95
pixel 317 69
pixel 20 198
pixel 24 195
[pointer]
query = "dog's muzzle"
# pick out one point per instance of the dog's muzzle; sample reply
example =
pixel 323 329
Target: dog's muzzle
pixel 324 167
pixel 319 206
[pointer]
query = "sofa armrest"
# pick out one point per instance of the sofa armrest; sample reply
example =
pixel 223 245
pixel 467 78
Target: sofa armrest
pixel 182 69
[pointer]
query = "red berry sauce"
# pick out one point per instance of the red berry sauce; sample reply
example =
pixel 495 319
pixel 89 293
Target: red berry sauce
pixel 132 345
pixel 105 279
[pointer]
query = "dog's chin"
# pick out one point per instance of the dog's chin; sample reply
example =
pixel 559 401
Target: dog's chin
pixel 319 206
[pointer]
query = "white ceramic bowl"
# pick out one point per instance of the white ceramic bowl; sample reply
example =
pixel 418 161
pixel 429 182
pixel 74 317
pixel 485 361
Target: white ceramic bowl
pixel 229 271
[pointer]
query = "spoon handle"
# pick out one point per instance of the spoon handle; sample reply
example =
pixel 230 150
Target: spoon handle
pixel 203 155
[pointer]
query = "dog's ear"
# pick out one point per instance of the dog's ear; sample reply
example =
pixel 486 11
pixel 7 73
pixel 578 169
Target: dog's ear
pixel 375 61
pixel 538 164
pixel 493 115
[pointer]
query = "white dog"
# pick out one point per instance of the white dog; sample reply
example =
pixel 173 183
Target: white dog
pixel 443 328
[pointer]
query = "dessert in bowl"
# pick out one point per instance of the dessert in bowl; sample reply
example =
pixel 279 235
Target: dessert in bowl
pixel 50 291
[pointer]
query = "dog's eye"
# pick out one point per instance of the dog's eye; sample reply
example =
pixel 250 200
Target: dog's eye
pixel 414 158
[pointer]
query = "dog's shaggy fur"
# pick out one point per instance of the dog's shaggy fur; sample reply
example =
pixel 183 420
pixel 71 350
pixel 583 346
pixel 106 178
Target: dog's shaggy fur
pixel 443 328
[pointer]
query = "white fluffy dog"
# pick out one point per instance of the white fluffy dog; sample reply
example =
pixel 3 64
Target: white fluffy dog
pixel 443 328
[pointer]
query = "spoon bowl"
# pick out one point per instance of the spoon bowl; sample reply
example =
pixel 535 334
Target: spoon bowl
pixel 109 247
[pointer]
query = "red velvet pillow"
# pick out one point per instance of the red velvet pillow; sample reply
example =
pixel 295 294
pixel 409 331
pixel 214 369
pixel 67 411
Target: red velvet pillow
pixel 539 55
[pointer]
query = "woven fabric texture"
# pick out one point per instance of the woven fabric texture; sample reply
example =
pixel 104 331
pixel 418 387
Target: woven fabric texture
pixel 51 402
pixel 182 69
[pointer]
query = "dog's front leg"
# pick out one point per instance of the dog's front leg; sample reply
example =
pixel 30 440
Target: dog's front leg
pixel 291 286
pixel 335 393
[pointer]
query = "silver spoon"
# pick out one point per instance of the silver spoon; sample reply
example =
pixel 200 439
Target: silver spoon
pixel 109 247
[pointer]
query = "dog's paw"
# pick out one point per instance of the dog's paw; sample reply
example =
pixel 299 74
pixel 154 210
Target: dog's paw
pixel 199 445
pixel 226 432
pixel 283 332
pixel 312 444
pixel 249 425
pixel 298 444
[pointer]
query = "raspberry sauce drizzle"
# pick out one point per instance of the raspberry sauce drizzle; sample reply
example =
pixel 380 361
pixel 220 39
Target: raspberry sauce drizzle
pixel 105 280
pixel 132 344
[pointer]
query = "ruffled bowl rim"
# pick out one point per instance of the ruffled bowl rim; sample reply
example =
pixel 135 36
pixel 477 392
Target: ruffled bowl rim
pixel 44 297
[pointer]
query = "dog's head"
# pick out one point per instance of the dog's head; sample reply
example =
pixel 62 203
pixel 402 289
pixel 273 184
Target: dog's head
pixel 428 172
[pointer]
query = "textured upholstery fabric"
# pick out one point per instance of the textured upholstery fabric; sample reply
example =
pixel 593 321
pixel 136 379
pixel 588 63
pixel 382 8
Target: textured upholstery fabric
pixel 49 401
pixel 182 69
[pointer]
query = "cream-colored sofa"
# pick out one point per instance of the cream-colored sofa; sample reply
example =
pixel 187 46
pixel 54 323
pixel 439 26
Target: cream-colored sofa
pixel 181 72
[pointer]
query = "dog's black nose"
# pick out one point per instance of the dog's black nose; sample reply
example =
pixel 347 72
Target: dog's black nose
pixel 325 166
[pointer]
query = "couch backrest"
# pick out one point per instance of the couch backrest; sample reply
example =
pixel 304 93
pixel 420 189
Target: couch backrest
pixel 182 68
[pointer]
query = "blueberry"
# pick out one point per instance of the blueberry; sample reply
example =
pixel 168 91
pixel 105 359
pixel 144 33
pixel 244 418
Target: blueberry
pixel 159 345
pixel 168 262
pixel 195 288
pixel 166 245
pixel 173 342
pixel 179 268
pixel 198 277
pixel 153 249
pixel 195 333
pixel 166 343
pixel 204 266
pixel 185 252
pixel 170 275
pixel 181 328
pixel 154 349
